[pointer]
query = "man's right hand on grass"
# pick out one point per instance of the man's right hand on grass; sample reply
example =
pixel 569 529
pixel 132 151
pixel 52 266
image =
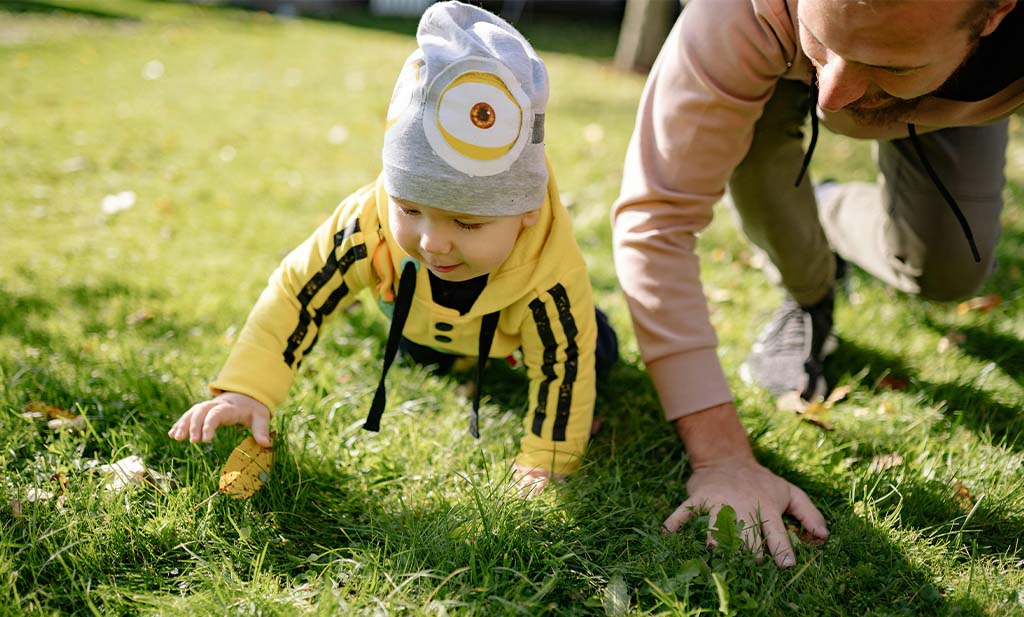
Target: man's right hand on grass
pixel 725 472
pixel 201 421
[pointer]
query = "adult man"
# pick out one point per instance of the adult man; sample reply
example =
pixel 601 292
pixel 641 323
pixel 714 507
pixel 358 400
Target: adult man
pixel 932 81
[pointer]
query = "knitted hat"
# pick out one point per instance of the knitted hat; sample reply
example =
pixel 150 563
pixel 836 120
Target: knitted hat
pixel 465 128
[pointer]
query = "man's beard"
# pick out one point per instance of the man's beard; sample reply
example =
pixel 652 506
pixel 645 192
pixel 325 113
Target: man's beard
pixel 893 112
pixel 896 110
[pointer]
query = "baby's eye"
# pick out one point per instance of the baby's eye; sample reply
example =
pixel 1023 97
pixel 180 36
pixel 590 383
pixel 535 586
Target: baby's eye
pixel 408 211
pixel 462 225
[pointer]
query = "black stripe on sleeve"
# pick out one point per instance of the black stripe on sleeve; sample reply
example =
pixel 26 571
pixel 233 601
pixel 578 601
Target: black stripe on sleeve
pixel 309 314
pixel 572 354
pixel 547 338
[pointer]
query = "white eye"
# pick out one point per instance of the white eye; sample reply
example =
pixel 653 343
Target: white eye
pixel 480 114
pixel 481 120
pixel 405 87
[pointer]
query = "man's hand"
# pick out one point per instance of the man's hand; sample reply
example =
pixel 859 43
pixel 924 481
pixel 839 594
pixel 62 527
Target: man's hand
pixel 726 473
pixel 759 497
pixel 201 421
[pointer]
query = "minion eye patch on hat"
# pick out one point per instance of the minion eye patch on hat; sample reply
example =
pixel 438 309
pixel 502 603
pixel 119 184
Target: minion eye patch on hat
pixel 465 124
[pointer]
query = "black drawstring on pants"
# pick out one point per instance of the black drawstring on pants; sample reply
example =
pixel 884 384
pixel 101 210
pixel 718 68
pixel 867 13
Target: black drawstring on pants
pixel 403 300
pixel 945 192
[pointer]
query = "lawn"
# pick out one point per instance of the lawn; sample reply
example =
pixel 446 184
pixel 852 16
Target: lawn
pixel 156 162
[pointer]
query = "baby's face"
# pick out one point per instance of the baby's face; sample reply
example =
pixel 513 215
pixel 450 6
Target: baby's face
pixel 455 246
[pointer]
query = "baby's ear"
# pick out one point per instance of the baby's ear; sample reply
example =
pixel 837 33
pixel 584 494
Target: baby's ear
pixel 530 218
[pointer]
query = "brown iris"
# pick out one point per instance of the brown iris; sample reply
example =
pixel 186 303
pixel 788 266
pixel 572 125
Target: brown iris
pixel 482 115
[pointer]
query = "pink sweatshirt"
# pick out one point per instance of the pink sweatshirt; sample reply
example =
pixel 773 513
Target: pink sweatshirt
pixel 695 123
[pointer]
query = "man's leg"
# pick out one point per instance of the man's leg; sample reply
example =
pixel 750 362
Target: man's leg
pixel 778 217
pixel 902 231
pixel 782 219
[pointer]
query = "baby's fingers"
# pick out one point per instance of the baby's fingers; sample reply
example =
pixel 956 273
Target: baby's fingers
pixel 182 428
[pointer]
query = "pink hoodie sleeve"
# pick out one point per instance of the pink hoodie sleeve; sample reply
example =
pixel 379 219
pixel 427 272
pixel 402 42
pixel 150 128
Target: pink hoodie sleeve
pixel 695 123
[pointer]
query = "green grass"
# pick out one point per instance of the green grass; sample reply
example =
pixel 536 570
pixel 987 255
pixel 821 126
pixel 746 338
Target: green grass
pixel 125 317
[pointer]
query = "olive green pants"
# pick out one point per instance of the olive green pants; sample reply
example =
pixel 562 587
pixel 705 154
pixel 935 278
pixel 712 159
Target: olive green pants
pixel 899 229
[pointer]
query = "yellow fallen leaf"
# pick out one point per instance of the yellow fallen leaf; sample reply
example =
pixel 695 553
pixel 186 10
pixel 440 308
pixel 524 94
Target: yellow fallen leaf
pixel 837 395
pixel 246 469
pixel 961 494
pixel 981 304
pixel 39 409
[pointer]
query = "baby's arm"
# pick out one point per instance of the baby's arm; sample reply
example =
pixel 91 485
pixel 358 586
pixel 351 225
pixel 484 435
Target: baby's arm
pixel 558 340
pixel 201 421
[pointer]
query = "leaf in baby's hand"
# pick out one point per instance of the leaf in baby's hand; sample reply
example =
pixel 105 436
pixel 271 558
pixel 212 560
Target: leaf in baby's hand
pixel 981 304
pixel 246 469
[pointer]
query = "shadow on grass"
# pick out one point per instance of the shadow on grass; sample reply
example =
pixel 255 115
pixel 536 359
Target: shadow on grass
pixel 53 8
pixel 930 506
pixel 964 403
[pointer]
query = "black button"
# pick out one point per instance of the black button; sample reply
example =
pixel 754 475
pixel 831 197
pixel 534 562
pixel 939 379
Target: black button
pixel 442 338
pixel 444 327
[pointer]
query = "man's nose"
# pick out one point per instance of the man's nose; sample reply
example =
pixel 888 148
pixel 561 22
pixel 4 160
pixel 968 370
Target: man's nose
pixel 839 84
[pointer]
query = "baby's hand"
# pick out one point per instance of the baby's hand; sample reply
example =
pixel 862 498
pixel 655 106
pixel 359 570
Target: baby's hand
pixel 531 480
pixel 201 421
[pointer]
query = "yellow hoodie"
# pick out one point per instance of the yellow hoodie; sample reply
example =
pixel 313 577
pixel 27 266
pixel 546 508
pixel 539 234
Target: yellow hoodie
pixel 542 292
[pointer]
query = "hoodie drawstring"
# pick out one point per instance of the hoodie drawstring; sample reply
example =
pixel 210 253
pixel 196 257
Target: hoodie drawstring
pixel 945 192
pixel 488 326
pixel 912 130
pixel 403 300
pixel 812 94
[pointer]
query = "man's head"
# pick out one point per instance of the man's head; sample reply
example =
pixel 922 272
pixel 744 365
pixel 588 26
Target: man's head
pixel 878 59
pixel 465 127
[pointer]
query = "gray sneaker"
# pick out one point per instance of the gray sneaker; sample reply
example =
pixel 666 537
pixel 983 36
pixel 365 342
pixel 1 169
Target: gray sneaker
pixel 788 353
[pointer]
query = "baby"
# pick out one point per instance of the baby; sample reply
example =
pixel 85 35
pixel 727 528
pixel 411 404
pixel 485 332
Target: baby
pixel 462 241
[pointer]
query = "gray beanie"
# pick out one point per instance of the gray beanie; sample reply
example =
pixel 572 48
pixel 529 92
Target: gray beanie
pixel 465 128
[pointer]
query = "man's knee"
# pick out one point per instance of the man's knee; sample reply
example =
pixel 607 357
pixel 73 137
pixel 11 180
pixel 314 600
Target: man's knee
pixel 957 281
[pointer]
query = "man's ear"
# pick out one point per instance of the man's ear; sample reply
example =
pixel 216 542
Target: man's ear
pixel 530 218
pixel 997 16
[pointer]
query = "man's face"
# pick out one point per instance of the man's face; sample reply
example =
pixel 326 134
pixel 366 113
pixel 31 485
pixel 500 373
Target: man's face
pixel 878 59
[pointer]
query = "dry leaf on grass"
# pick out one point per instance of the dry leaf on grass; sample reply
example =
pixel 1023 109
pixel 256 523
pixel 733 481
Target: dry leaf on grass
pixel 246 469
pixel 961 494
pixel 950 339
pixel 893 383
pixel 130 471
pixel 596 425
pixel 981 304
pixel 57 418
pixel 882 462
